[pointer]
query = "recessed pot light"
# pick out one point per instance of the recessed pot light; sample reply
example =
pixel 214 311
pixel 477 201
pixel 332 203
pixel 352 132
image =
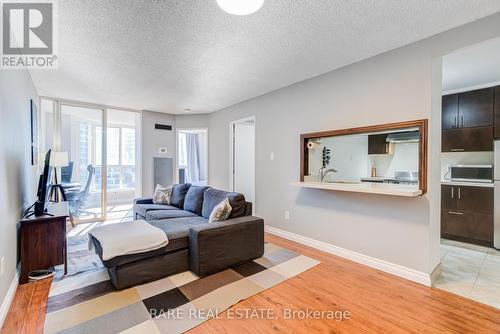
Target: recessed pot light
pixel 240 7
pixel 187 110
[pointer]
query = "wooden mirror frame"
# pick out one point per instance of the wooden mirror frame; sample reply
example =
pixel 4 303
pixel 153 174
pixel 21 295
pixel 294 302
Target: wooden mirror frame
pixel 422 147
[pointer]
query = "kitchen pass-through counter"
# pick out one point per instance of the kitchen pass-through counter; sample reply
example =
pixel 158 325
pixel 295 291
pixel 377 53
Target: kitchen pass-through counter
pixel 364 187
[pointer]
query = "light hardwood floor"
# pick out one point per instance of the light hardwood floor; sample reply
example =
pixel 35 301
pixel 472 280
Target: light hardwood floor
pixel 378 303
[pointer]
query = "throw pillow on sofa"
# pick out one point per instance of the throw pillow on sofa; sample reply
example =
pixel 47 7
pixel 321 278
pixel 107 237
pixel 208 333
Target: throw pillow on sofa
pixel 220 212
pixel 162 194
pixel 212 197
pixel 194 199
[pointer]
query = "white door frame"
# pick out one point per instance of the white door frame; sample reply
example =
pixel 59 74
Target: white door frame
pixel 176 171
pixel 231 155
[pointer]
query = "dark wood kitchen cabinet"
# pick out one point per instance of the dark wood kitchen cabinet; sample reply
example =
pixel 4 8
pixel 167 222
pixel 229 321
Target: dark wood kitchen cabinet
pixel 467 214
pixel 468 109
pixel 475 108
pixel 497 112
pixel 377 144
pixel 468 121
pixel 467 139
pixel 449 111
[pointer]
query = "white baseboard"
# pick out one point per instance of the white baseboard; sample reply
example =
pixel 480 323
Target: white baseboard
pixel 388 267
pixel 4 308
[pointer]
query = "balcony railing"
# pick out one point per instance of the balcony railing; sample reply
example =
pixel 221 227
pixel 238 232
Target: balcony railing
pixel 119 177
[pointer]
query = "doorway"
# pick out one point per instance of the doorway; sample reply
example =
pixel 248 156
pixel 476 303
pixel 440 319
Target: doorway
pixel 242 158
pixel 192 156
pixel 470 255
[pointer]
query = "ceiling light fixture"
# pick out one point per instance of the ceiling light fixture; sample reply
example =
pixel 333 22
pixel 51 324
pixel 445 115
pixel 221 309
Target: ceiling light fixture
pixel 187 110
pixel 240 7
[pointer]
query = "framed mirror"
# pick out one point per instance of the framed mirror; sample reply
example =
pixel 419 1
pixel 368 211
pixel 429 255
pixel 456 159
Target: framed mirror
pixel 394 153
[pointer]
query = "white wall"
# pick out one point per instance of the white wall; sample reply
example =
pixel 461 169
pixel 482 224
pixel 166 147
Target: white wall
pixel 244 159
pixel 152 140
pixel 18 179
pixel 192 121
pixel 403 158
pixel 203 142
pixel 400 85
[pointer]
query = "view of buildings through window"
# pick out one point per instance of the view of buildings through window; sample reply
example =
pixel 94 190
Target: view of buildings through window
pixel 78 130
pixel 120 156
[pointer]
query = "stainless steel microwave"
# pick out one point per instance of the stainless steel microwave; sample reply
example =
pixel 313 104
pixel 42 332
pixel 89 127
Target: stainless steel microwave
pixel 471 173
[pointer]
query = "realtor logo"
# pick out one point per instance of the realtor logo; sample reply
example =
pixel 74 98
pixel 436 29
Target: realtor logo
pixel 28 35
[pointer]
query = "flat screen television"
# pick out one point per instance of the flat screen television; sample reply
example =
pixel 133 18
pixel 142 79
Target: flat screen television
pixel 44 185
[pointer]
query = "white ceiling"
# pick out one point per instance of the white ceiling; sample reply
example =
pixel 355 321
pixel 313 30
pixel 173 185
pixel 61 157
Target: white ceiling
pixel 171 55
pixel 474 66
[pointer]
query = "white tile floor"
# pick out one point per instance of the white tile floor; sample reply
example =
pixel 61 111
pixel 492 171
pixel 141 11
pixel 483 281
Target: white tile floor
pixel 470 271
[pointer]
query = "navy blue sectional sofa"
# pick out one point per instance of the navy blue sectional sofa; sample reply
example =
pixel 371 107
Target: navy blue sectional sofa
pixel 194 244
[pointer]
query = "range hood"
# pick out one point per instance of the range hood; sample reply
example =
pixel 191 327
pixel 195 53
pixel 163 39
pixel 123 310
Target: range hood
pixel 403 137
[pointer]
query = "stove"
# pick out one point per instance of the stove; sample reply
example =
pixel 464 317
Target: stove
pixel 402 177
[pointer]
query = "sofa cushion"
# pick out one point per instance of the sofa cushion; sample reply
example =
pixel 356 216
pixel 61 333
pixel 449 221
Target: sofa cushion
pixel 167 214
pixel 212 197
pixel 143 208
pixel 194 199
pixel 178 224
pixel 179 194
pixel 178 239
pixel 177 231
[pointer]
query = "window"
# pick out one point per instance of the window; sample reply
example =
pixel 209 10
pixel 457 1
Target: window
pixel 113 153
pixel 84 145
pixel 128 146
pixel 120 156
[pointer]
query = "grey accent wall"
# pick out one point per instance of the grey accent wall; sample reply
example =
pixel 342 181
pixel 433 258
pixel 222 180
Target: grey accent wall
pixel 18 179
pixel 152 140
pixel 403 84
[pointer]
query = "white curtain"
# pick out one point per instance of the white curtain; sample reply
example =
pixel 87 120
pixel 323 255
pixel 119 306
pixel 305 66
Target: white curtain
pixel 193 158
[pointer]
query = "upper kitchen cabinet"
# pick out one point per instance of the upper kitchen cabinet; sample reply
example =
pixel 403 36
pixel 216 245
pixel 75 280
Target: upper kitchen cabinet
pixel 468 109
pixel 476 139
pixel 377 144
pixel 475 108
pixel 497 112
pixel 450 111
pixel 467 121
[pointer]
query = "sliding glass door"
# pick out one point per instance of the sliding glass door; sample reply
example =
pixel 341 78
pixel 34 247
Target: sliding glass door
pixel 123 178
pixel 81 134
pixel 102 177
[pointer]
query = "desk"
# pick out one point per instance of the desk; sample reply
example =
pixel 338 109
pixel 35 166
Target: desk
pixel 43 241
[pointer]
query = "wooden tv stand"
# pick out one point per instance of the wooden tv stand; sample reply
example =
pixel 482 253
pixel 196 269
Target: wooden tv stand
pixel 43 241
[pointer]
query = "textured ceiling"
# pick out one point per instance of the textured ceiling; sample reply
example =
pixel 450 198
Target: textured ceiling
pixel 474 66
pixel 171 55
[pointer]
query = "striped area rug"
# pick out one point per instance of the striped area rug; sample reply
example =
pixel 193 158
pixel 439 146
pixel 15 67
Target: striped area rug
pixel 84 301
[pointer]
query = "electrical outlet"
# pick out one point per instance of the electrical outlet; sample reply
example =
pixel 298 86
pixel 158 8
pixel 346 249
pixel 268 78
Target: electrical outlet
pixel 272 156
pixel 2 269
pixel 287 215
pixel 162 150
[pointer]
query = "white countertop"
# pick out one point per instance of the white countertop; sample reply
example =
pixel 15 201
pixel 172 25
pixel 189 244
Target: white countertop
pixel 365 187
pixel 468 184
